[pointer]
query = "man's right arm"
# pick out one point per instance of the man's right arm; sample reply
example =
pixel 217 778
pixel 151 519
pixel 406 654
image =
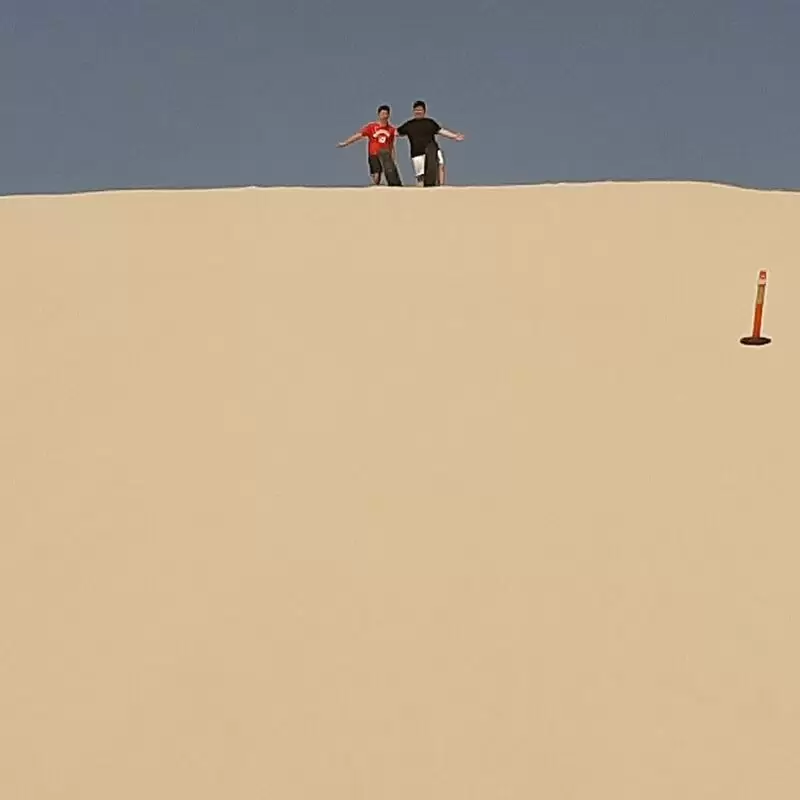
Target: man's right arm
pixel 351 139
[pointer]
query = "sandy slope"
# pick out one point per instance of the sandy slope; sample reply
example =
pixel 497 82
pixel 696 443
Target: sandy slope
pixel 395 495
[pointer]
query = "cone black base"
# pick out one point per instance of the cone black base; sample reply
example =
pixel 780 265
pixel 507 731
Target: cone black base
pixel 755 341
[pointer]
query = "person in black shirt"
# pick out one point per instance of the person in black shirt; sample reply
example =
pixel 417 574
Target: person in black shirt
pixel 421 131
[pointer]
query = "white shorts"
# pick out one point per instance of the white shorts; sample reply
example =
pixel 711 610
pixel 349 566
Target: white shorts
pixel 419 163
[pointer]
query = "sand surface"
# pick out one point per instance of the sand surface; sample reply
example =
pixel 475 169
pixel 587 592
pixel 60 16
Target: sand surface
pixel 382 494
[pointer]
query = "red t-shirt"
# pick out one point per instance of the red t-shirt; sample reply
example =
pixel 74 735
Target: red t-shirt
pixel 381 137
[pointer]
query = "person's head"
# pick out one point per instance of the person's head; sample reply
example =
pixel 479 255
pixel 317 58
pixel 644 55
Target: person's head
pixel 419 108
pixel 384 112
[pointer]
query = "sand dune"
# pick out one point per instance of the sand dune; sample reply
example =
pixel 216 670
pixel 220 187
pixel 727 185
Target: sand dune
pixel 399 495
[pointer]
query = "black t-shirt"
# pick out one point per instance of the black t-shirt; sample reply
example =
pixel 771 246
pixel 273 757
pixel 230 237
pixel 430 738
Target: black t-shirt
pixel 421 132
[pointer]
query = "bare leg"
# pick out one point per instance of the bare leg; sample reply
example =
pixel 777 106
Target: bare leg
pixel 442 174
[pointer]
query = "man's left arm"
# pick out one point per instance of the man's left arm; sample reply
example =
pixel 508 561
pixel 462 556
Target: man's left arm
pixel 454 135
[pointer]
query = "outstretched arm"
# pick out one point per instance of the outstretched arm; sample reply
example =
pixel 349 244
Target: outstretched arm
pixel 350 139
pixel 457 137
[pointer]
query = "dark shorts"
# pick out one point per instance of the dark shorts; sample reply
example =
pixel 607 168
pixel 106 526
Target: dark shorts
pixel 375 166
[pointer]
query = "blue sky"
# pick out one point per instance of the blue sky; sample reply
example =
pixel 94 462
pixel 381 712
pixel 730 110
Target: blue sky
pixel 188 93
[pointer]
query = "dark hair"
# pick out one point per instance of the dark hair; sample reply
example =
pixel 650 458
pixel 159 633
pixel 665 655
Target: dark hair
pixel 384 108
pixel 420 104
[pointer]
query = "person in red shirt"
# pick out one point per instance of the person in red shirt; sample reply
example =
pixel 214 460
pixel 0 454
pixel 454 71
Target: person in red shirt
pixel 380 135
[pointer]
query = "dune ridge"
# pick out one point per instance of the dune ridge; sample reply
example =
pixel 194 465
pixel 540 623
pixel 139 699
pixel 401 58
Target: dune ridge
pixel 366 493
